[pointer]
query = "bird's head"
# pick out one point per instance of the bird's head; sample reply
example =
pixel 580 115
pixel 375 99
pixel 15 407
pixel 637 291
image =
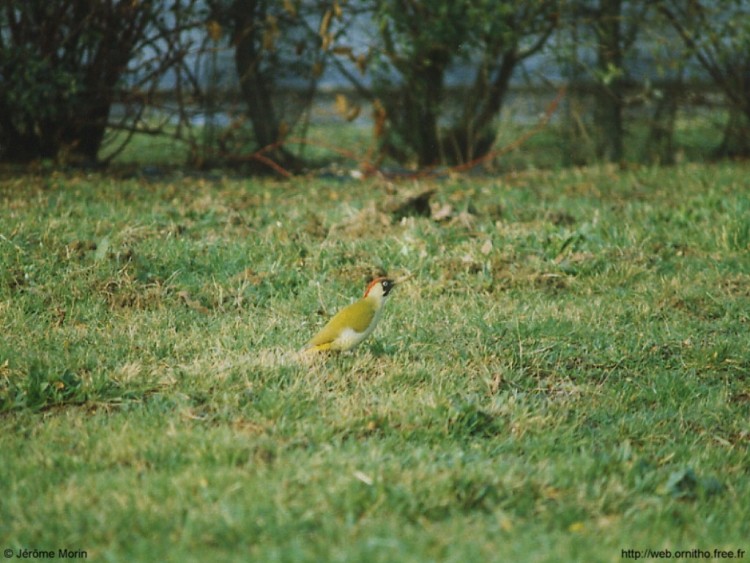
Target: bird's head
pixel 379 288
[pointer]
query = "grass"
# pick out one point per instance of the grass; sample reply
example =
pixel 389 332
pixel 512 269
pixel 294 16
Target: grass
pixel 565 377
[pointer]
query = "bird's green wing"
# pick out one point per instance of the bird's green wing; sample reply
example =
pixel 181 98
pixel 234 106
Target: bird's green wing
pixel 356 316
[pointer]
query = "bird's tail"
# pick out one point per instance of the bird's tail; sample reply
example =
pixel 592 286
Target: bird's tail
pixel 308 352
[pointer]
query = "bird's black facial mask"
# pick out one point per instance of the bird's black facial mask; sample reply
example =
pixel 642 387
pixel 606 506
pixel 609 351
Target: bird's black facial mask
pixel 388 285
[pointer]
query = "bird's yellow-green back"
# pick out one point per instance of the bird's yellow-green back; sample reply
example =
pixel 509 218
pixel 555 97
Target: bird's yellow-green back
pixel 358 317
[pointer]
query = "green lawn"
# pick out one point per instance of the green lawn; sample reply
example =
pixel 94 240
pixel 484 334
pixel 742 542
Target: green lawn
pixel 566 376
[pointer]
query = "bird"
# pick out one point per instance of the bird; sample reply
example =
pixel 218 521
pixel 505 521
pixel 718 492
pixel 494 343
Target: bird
pixel 355 322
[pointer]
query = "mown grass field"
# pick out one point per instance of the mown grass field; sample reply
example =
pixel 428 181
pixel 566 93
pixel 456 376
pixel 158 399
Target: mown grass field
pixel 566 376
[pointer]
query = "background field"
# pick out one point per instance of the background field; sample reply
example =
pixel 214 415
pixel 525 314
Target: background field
pixel 566 375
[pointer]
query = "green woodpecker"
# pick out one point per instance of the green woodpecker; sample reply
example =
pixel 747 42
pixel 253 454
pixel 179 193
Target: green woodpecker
pixel 352 324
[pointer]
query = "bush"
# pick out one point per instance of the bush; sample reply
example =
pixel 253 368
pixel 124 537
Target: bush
pixel 63 64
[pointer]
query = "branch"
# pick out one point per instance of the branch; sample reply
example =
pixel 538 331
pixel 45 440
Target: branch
pixel 369 169
pixel 543 122
pixel 361 89
pixel 711 67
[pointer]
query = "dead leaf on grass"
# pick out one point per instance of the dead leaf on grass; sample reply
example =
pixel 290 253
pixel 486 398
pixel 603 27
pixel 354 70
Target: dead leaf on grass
pixel 193 304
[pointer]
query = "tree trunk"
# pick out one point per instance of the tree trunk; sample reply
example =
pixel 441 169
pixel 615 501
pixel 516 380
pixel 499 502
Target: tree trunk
pixel 423 99
pixel 257 87
pixel 736 141
pixel 660 141
pixel 474 134
pixel 608 97
pixel 254 88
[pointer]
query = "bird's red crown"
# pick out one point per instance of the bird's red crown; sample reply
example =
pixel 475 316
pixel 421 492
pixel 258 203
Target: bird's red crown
pixel 385 282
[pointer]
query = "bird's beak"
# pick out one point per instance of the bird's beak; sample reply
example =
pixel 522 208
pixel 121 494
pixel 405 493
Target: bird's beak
pixel 402 279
